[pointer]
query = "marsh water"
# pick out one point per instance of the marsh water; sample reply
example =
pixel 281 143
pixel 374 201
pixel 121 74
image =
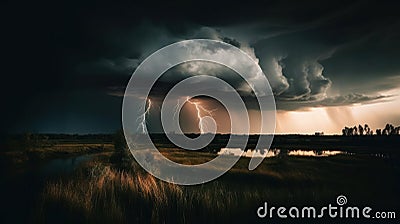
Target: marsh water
pixel 20 189
pixel 294 152
pixel 62 165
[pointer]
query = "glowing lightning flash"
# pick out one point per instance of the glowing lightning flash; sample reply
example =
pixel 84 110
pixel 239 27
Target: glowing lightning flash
pixel 199 109
pixel 142 118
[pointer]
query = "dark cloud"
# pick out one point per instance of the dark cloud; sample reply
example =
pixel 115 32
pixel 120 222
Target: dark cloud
pixel 231 41
pixel 313 54
pixel 349 99
pixel 341 100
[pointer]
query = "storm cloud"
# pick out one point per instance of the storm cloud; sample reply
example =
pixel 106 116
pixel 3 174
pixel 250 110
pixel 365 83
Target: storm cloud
pixel 313 54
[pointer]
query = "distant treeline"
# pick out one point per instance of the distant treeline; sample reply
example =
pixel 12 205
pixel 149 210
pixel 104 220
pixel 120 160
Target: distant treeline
pixel 368 143
pixel 28 141
pixel 366 130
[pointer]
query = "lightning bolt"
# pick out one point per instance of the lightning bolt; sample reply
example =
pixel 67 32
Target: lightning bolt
pixel 176 109
pixel 142 118
pixel 200 109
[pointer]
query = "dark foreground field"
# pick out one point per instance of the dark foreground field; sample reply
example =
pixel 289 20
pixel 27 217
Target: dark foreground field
pixel 83 182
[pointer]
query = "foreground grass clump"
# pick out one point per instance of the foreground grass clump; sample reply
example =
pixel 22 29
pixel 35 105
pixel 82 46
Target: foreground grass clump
pixel 107 194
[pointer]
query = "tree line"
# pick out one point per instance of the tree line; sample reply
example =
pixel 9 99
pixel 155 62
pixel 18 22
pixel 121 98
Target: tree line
pixel 366 130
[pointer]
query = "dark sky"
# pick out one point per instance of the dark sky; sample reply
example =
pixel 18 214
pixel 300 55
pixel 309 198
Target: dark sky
pixel 66 62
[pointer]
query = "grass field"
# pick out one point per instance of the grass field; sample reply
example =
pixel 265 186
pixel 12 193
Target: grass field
pixel 109 188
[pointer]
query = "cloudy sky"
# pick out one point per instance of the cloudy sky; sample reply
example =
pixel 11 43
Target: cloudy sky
pixel 329 65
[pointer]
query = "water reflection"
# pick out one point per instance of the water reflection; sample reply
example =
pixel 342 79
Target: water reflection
pixel 276 152
pixel 249 153
pixel 313 153
pixel 63 165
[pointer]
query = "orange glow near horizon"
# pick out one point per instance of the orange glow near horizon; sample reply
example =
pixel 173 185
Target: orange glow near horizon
pixel 331 120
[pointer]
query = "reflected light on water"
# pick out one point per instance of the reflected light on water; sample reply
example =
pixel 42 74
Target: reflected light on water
pixel 313 153
pixel 276 152
pixel 249 153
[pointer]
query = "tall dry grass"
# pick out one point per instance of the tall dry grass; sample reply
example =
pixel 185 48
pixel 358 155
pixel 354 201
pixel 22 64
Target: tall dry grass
pixel 107 194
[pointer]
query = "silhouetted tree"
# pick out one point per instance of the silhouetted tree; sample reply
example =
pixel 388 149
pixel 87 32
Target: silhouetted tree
pixel 360 129
pixel 386 130
pixel 119 141
pixel 392 130
pixel 120 147
pixel 30 142
pixel 346 131
pixel 355 131
pixel 367 130
pixel 397 130
pixel 389 130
